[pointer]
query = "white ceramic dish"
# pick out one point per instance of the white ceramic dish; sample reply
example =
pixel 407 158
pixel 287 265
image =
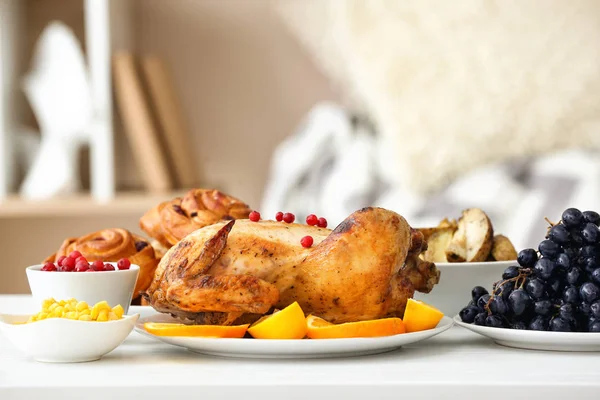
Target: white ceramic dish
pixel 453 293
pixel 60 340
pixel 116 287
pixel 536 340
pixel 305 348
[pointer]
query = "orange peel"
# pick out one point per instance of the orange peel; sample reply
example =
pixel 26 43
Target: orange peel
pixel 318 328
pixel 419 316
pixel 288 323
pixel 212 331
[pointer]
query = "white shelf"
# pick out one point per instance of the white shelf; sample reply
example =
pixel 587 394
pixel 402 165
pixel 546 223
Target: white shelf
pixel 457 364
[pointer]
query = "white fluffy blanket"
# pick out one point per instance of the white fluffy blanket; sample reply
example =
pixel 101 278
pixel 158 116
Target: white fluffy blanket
pixel 456 85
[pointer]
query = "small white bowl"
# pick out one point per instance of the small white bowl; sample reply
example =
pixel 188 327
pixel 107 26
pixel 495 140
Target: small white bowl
pixel 453 293
pixel 116 287
pixel 61 340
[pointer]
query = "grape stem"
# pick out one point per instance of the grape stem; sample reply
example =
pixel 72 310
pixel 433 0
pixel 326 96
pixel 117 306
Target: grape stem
pixel 523 274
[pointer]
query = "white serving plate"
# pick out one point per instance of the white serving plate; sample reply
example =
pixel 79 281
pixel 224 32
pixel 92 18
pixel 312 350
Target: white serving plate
pixel 304 348
pixel 536 340
pixel 61 340
pixel 453 293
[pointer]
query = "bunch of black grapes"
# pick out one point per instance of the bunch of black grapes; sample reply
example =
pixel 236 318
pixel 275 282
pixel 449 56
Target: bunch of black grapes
pixel 556 288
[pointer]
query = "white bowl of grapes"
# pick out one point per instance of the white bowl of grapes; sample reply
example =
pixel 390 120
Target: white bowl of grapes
pixel 554 289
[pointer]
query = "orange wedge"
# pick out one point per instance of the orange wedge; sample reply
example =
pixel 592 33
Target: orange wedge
pixel 318 328
pixel 288 323
pixel 419 316
pixel 218 331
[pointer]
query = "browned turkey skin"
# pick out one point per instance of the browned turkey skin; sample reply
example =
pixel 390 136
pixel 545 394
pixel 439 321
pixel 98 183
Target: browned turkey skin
pixel 232 272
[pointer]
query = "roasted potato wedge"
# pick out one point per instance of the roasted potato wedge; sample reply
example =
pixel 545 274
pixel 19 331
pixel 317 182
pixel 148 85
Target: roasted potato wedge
pixel 437 244
pixel 503 249
pixel 457 247
pixel 473 240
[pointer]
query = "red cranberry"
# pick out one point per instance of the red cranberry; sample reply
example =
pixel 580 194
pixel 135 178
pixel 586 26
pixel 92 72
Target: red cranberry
pixel 81 259
pixel 289 217
pixel 109 267
pixel 89 270
pixel 322 223
pixel 312 220
pixel 60 260
pixel 49 267
pixel 279 216
pixel 306 241
pixel 68 264
pixel 75 254
pixel 98 265
pixel 82 266
pixel 254 216
pixel 123 263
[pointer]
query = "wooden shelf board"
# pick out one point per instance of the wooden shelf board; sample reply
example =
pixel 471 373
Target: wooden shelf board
pixel 83 204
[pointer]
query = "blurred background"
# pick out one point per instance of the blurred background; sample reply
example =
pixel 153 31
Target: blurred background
pixel 109 107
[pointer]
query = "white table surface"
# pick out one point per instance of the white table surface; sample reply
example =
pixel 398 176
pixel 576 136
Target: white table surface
pixel 457 364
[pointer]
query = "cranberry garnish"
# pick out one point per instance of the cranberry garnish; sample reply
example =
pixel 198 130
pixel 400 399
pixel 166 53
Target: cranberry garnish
pixel 109 267
pixel 322 223
pixel 279 216
pixel 75 254
pixel 254 216
pixel 98 265
pixel 82 266
pixel 289 217
pixel 312 220
pixel 139 246
pixel 89 270
pixel 49 267
pixel 60 260
pixel 68 264
pixel 81 259
pixel 123 263
pixel 306 241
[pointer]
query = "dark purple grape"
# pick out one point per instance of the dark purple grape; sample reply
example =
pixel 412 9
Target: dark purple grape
pixel 588 251
pixel 567 312
pixel 576 237
pixel 510 272
pixel 591 216
pixel 483 300
pixel 505 290
pixel 519 325
pixel 563 261
pixel 519 301
pixel 480 319
pixel 573 276
pixel 468 314
pixel 494 321
pixel 477 292
pixel 572 218
pixel 590 233
pixel 584 309
pixel 527 258
pixel 558 324
pixel 594 309
pixel 589 264
pixel 571 295
pixel 538 323
pixel 572 253
pixel 549 249
pixel 559 234
pixel 594 326
pixel 544 268
pixel 498 306
pixel 589 292
pixel 543 307
pixel 553 287
pixel 595 276
pixel 535 288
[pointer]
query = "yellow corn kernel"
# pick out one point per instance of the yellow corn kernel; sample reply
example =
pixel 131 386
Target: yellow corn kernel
pixel 112 316
pixel 118 310
pixel 82 305
pixel 53 306
pixel 41 316
pixel 102 316
pixel 71 315
pixel 48 302
pixel 85 318
pixel 72 301
pixel 69 307
pixel 59 311
pixel 62 303
pixel 87 311
pixel 94 313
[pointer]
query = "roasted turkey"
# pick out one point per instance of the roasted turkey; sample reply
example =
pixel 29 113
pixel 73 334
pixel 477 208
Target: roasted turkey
pixel 236 271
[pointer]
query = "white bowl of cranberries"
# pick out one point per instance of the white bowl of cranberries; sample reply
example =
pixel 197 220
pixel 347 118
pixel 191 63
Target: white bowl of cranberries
pixel 74 277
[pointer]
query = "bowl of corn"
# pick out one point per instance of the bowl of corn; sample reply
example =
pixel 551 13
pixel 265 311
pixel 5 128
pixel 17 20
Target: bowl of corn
pixel 69 330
